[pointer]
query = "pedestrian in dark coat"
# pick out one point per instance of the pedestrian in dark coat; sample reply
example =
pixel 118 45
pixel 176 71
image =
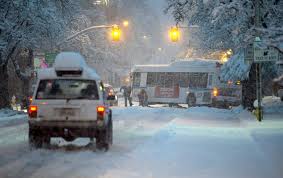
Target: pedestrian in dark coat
pixel 127 94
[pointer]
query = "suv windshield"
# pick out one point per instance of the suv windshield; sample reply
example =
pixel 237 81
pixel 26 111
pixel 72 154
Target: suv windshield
pixel 67 89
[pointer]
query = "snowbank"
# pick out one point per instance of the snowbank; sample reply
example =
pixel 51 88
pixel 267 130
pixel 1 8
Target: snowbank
pixel 271 104
pixel 7 115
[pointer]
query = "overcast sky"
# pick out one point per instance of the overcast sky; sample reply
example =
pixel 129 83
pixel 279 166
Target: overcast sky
pixel 159 6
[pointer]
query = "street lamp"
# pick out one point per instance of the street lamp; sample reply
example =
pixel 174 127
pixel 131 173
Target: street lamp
pixel 125 23
pixel 115 33
pixel 174 34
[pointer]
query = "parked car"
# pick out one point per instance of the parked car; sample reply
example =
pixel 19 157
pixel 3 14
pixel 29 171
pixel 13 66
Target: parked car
pixel 111 97
pixel 278 87
pixel 226 95
pixel 68 102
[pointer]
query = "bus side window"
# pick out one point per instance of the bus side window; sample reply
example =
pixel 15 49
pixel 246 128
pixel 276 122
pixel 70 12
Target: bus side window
pixel 151 79
pixel 184 79
pixel 209 80
pixel 136 79
pixel 176 78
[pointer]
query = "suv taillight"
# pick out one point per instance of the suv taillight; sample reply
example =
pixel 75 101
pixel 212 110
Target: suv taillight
pixel 100 112
pixel 32 111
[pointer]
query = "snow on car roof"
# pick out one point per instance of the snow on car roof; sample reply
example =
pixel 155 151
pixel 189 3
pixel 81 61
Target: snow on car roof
pixel 69 61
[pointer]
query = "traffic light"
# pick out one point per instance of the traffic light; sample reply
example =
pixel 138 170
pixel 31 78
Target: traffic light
pixel 174 34
pixel 116 33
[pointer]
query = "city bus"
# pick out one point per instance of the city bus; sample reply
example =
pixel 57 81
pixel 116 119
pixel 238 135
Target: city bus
pixel 189 81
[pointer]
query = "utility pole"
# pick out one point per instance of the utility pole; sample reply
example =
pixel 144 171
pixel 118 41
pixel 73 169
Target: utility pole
pixel 258 65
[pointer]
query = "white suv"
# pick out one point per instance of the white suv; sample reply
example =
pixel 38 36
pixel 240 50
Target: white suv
pixel 69 102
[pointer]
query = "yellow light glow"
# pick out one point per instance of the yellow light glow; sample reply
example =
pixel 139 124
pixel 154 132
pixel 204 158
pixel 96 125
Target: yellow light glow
pixel 116 33
pixel 229 52
pixel 174 34
pixel 215 92
pixel 224 57
pixel 125 23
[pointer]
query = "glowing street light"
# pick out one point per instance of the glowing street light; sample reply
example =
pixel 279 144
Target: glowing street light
pixel 225 55
pixel 229 52
pixel 174 34
pixel 115 33
pixel 125 23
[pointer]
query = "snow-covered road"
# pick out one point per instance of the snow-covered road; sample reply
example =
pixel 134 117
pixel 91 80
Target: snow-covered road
pixel 163 142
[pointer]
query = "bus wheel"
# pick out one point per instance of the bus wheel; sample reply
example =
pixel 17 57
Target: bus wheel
pixel 191 100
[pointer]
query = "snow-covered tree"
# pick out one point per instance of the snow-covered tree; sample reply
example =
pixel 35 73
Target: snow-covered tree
pixel 29 24
pixel 230 23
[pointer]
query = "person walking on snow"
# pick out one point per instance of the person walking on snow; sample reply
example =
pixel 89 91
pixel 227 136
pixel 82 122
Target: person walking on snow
pixel 142 98
pixel 127 94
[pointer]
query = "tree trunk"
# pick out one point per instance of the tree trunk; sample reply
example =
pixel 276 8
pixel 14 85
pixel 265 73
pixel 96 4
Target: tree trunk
pixel 4 92
pixel 249 89
pixel 27 82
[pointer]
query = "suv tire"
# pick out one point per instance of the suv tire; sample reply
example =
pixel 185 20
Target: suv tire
pixel 104 137
pixel 35 140
pixel 46 141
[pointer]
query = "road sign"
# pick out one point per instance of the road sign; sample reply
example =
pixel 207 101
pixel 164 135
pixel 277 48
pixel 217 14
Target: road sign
pixel 50 58
pixel 265 55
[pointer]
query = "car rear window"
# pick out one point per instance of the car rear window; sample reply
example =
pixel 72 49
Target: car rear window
pixel 67 89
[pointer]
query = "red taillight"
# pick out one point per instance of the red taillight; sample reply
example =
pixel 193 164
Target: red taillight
pixel 100 111
pixel 32 111
pixel 215 92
